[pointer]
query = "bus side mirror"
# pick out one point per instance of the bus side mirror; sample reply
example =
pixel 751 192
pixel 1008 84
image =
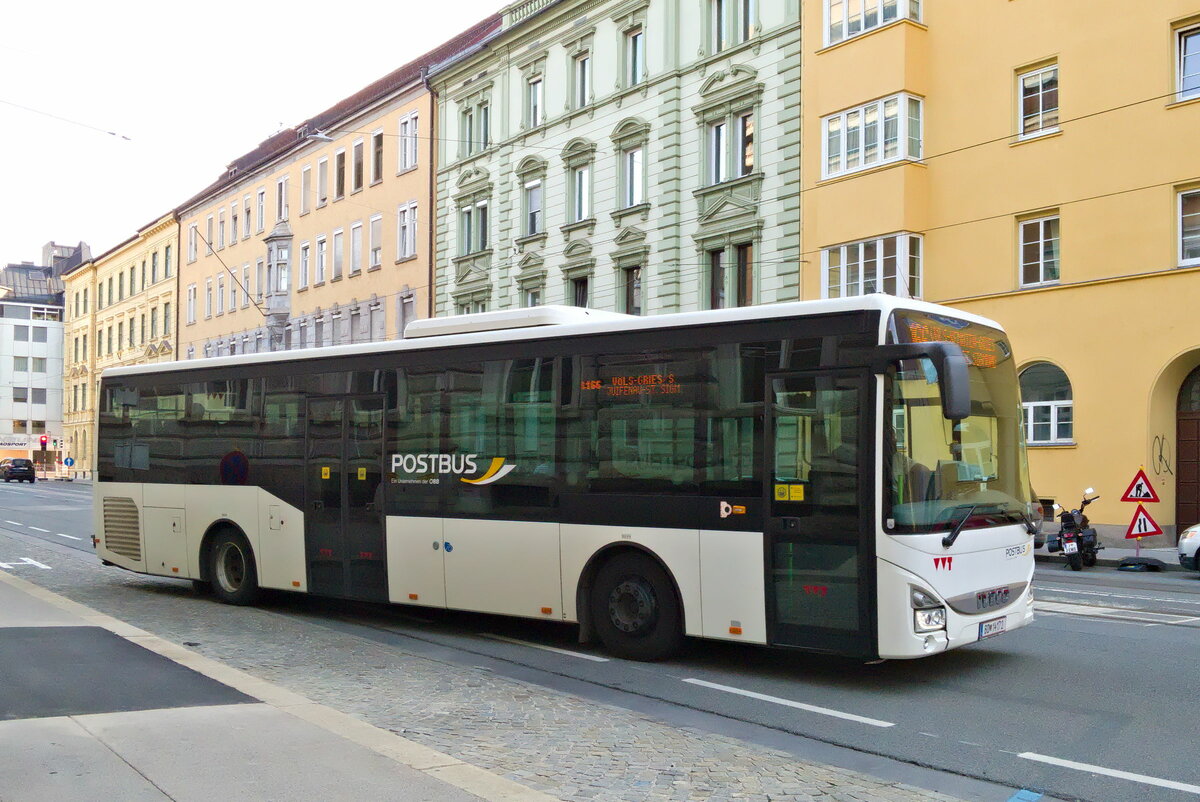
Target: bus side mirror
pixel 948 360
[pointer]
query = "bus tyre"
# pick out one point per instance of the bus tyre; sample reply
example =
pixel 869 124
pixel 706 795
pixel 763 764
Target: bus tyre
pixel 234 579
pixel 634 609
pixel 1075 561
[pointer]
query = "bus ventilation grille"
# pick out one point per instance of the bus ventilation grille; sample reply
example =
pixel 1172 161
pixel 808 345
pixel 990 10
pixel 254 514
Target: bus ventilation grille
pixel 121 532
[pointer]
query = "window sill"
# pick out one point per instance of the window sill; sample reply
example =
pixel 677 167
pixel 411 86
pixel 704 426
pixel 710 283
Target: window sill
pixel 302 289
pixel 354 273
pixel 338 198
pixel 403 259
pixel 1186 101
pixel 406 170
pixel 305 212
pixel 748 180
pixel 642 209
pixel 530 239
pixel 874 168
pixel 376 182
pixel 373 268
pixel 356 191
pixel 1040 285
pixel 335 278
pixel 1027 138
pixel 588 223
pixel 321 204
pixel 318 284
pixel 876 30
pixel 1071 444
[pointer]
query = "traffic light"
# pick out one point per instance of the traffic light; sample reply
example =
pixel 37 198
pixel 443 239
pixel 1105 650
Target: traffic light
pixel 45 440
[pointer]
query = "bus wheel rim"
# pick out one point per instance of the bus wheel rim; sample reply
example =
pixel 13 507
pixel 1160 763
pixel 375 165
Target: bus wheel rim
pixel 631 606
pixel 231 566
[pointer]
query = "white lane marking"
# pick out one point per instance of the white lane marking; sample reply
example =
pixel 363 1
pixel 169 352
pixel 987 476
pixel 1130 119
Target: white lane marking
pixel 14 523
pixel 1118 595
pixel 1087 611
pixel 38 528
pixel 72 537
pixel 824 711
pixel 1123 775
pixel 554 649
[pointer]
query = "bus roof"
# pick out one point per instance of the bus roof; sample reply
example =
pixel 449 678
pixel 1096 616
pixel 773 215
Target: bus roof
pixel 555 321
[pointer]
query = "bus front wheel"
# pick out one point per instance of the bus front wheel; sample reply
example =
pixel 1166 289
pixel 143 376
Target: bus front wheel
pixel 232 571
pixel 634 609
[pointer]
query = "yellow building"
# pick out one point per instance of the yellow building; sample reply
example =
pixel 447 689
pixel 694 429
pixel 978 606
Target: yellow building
pixel 1036 162
pixel 119 310
pixel 320 236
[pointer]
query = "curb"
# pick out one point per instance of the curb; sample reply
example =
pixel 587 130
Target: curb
pixel 443 767
pixel 1102 562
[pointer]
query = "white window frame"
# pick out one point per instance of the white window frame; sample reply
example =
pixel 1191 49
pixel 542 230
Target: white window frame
pixel 302 279
pixel 581 192
pixel 245 285
pixel 356 248
pixel 281 199
pixel 220 293
pixel 322 255
pixel 535 221
pixel 1041 222
pixel 208 242
pixel 409 152
pixel 261 207
pixel 375 242
pixel 193 242
pixel 377 156
pixel 872 14
pixel 1041 74
pixel 535 101
pixel 339 162
pixel 870 124
pixel 358 165
pixel 907 260
pixel 582 79
pixel 1183 39
pixel 246 217
pixel 406 230
pixel 338 253
pixel 633 176
pixel 1185 261
pixel 220 237
pixel 208 298
pixel 305 189
pixel 191 304
pixel 717 149
pixel 635 56
pixel 233 291
pixel 322 181
pixel 1055 408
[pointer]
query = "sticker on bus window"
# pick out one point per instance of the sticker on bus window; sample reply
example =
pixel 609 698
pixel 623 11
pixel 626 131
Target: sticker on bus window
pixel 795 492
pixel 781 492
pixel 325 472
pixel 362 474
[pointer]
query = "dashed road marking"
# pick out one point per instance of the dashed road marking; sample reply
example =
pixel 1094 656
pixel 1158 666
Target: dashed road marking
pixel 1122 775
pixel 1112 614
pixel 824 711
pixel 72 537
pixel 545 648
pixel 38 528
pixel 14 523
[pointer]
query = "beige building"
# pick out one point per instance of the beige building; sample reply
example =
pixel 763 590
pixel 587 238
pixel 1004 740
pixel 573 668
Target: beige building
pixel 1050 180
pixel 320 236
pixel 119 310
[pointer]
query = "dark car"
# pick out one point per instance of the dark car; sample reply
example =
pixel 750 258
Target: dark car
pixel 21 470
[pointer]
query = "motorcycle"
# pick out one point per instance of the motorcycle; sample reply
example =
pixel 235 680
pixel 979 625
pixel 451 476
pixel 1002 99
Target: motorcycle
pixel 1076 540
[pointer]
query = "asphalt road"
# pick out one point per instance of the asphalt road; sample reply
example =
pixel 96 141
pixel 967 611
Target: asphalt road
pixel 1096 700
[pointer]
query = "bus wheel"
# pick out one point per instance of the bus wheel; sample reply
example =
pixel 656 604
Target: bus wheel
pixel 634 609
pixel 234 577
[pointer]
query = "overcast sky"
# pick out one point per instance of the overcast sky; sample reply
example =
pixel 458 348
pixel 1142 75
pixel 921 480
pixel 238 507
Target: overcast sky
pixel 192 86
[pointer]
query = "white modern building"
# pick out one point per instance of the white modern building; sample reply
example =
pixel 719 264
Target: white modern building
pixel 31 371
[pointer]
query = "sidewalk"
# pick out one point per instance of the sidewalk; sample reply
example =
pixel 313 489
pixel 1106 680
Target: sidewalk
pixel 92 708
pixel 1111 557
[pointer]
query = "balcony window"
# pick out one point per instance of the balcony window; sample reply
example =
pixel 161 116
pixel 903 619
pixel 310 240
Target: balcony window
pixel 880 132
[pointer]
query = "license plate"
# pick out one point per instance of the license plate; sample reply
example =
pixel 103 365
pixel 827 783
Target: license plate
pixel 1070 547
pixel 987 599
pixel 988 629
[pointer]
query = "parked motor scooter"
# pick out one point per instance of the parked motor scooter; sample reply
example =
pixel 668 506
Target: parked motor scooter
pixel 1075 538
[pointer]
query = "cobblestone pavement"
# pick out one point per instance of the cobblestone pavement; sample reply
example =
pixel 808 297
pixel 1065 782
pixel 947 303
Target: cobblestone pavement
pixel 571 748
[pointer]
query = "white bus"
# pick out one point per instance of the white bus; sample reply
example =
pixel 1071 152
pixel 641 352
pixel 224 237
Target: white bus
pixel 844 476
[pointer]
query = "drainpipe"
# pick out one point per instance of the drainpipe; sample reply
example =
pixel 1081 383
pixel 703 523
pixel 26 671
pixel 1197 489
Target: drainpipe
pixel 431 215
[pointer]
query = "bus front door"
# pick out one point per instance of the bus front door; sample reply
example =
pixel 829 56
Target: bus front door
pixel 820 547
pixel 344 537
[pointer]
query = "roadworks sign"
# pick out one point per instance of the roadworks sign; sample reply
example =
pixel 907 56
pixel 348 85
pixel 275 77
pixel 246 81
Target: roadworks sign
pixel 1140 490
pixel 1142 525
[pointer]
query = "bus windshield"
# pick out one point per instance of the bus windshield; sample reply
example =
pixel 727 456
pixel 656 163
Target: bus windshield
pixel 941 470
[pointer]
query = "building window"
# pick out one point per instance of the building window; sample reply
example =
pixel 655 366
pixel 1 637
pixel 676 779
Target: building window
pixel 533 208
pixel 532 297
pixel 260 205
pixel 356 248
pixel 338 254
pixel 193 239
pixel 245 285
pixel 221 294
pixel 302 279
pixel 745 274
pixel 473 222
pixel 1039 101
pixel 305 190
pixel 732 22
pixel 1039 251
pixel 579 291
pixel 406 230
pixel 191 304
pixel 633 290
pixel 1049 409
pixel 220 232
pixel 358 165
pixel 718 152
pixel 322 182
pixel 260 285
pixel 724 161
pixel 848 18
pixel 535 102
pixel 376 156
pixel 583 80
pixel 1189 64
pixel 1189 228
pixel 889 264
pixel 716 279
pixel 581 193
pixel 208 298
pixel 339 175
pixel 281 199
pixel 635 56
pixel 245 219
pixel 882 131
pixel 208 241
pixel 233 223
pixel 408 141
pixel 633 176
pixel 376 244
pixel 167 319
pixel 320 274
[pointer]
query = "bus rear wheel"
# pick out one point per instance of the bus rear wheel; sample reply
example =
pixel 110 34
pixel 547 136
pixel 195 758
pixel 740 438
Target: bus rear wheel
pixel 232 570
pixel 634 609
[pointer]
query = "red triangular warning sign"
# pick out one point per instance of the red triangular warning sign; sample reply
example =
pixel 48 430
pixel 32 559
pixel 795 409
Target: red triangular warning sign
pixel 1142 525
pixel 1140 489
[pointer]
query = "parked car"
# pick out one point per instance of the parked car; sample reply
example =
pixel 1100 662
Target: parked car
pixel 21 470
pixel 1189 542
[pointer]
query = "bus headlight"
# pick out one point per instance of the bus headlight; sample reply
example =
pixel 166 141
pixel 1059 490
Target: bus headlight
pixel 929 620
pixel 928 613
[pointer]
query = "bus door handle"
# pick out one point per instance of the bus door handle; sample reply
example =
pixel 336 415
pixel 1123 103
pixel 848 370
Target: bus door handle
pixel 787 524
